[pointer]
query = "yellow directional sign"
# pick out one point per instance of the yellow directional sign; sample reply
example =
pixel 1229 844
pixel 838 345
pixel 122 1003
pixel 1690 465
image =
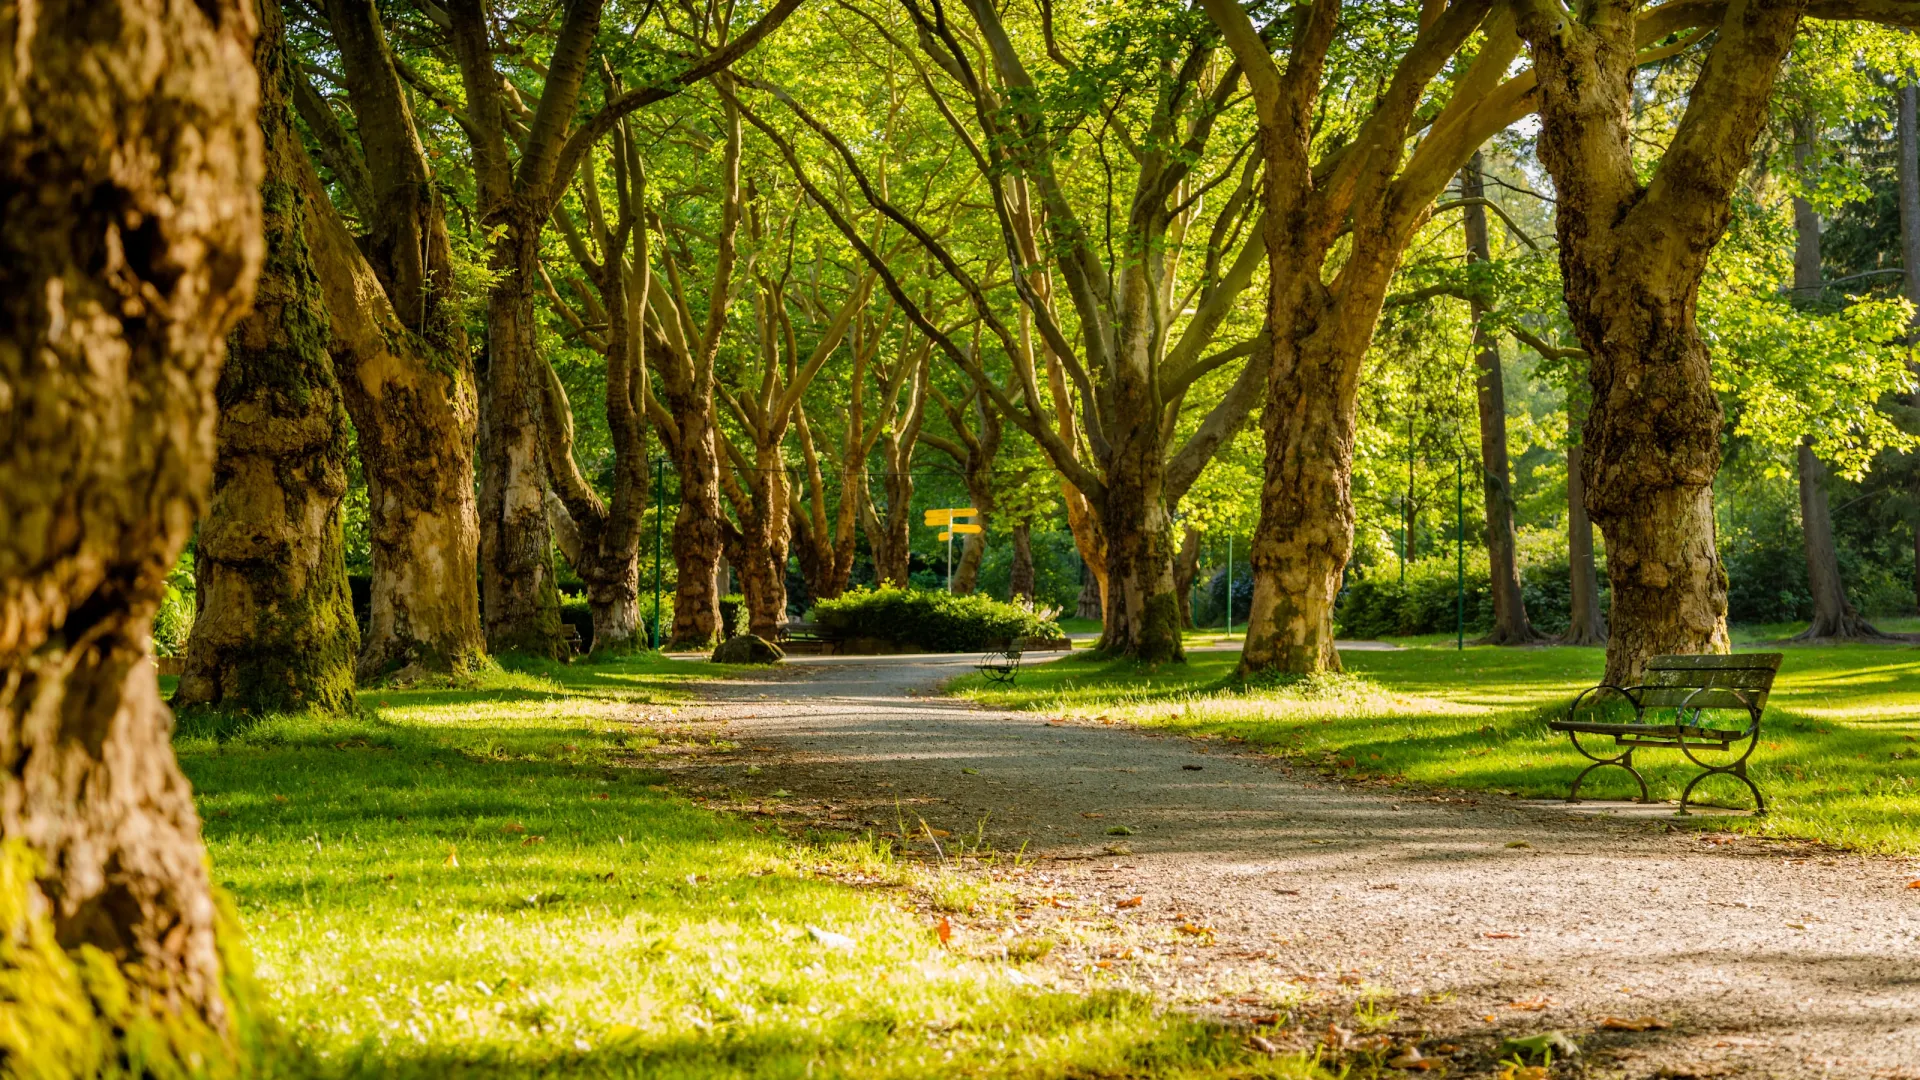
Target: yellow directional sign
pixel 945 517
pixel 961 528
pixel 945 536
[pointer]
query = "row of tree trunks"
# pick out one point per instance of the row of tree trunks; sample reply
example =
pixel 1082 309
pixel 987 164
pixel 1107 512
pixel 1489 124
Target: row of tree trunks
pixel 1186 566
pixel 1020 585
pixel 130 240
pixel 1510 623
pixel 274 629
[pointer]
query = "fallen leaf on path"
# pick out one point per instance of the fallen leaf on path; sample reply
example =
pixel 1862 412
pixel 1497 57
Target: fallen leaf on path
pixel 1264 1019
pixel 1119 830
pixel 1388 885
pixel 939 833
pixel 1914 884
pixel 1634 1023
pixel 944 929
pixel 1195 931
pixel 1796 926
pixel 1536 1005
pixel 1500 935
pixel 1132 901
pixel 1087 815
pixel 971 772
pixel 1336 1037
pixel 1511 1071
pixel 1410 1060
pixel 1518 844
pixel 1193 768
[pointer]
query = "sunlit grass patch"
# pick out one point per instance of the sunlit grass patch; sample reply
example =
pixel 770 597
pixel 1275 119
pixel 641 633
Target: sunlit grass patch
pixel 1839 757
pixel 489 880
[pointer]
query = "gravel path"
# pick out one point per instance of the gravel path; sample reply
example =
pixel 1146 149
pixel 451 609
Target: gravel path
pixel 1271 892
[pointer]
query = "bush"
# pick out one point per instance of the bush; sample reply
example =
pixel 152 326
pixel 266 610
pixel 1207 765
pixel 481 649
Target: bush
pixel 1378 604
pixel 173 622
pixel 934 621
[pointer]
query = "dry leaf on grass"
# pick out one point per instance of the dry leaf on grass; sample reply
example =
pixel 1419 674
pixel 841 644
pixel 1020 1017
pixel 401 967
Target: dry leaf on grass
pixel 513 827
pixel 944 929
pixel 453 856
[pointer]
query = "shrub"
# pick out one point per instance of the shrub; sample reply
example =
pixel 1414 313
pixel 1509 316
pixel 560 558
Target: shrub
pixel 935 621
pixel 1378 604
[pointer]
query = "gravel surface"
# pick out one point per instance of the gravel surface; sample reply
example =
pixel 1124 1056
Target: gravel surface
pixel 1275 896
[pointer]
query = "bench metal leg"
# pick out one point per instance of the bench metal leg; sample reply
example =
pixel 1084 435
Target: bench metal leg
pixel 1624 761
pixel 1736 769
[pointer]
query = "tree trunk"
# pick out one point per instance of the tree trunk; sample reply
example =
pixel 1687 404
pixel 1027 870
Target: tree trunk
pixel 1907 170
pixel 762 565
pixel 1305 533
pixel 1088 605
pixel 1020 577
pixel 130 239
pixel 1632 254
pixel 1185 566
pixel 1510 623
pixel 274 629
pixel 519 595
pixel 413 412
pixel 697 524
pixel 1834 617
pixel 400 340
pixel 1142 616
pixel 1586 623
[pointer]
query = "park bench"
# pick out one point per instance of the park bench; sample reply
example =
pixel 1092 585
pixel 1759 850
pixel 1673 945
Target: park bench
pixel 1665 712
pixel 1001 664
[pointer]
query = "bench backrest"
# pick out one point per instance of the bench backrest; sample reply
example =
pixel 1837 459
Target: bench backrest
pixel 1670 681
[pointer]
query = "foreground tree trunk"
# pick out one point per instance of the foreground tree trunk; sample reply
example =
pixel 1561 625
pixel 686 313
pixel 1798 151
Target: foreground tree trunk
pixel 1510 623
pixel 1632 255
pixel 1586 623
pixel 274 629
pixel 400 346
pixel 129 243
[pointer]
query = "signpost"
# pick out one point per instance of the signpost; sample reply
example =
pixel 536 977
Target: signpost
pixel 946 521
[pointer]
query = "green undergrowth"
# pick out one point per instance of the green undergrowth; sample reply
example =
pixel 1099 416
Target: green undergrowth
pixel 497 880
pixel 1839 757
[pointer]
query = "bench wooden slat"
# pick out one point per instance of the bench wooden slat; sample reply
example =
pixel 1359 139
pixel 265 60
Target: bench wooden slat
pixel 1674 697
pixel 1650 731
pixel 1768 661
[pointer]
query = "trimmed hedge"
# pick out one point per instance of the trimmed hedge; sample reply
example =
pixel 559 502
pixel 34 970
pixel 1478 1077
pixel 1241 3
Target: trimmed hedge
pixel 934 621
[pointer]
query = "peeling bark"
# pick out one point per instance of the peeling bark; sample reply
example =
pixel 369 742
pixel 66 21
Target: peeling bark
pixel 130 239
pixel 274 629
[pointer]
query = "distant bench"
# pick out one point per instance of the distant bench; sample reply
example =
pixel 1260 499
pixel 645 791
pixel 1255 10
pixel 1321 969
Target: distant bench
pixel 1001 664
pixel 1688 686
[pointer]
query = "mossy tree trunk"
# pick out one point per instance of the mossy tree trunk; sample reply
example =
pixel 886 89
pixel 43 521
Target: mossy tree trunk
pixel 890 534
pixel 405 364
pixel 274 629
pixel 130 240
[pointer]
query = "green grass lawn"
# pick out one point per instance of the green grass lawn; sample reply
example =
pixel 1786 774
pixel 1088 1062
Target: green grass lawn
pixel 1839 758
pixel 496 881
